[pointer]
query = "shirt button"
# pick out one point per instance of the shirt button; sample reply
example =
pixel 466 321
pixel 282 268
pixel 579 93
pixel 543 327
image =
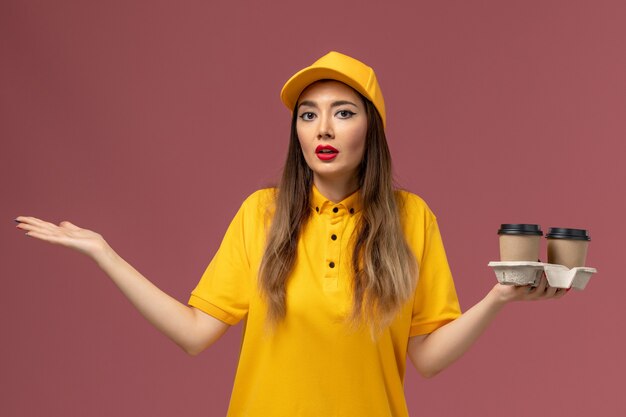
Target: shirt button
pixel 332 264
pixel 333 237
pixel 335 210
pixel 351 211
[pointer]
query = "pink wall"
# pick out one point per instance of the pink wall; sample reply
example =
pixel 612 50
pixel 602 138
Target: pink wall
pixel 150 123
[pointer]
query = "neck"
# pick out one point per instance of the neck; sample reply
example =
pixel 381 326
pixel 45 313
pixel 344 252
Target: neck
pixel 335 189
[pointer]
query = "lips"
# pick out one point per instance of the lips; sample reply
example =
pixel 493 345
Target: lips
pixel 326 152
pixel 325 149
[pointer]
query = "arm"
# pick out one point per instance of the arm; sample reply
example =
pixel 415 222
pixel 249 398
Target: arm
pixel 436 351
pixel 190 328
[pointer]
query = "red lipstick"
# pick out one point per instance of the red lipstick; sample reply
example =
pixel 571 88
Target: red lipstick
pixel 326 152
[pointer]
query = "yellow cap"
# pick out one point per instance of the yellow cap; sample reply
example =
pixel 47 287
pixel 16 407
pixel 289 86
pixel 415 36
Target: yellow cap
pixel 340 67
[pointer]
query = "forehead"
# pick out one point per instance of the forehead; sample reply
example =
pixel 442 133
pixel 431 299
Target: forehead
pixel 329 90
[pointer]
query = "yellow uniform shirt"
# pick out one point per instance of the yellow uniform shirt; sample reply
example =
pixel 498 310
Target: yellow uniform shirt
pixel 312 365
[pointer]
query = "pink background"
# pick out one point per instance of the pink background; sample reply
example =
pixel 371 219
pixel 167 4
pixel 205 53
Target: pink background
pixel 150 122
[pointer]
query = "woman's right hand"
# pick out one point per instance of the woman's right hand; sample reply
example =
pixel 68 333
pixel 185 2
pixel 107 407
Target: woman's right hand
pixel 66 234
pixel 190 328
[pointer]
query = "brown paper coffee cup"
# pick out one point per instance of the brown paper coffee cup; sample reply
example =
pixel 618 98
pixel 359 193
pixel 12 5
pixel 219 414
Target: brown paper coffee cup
pixel 519 242
pixel 567 247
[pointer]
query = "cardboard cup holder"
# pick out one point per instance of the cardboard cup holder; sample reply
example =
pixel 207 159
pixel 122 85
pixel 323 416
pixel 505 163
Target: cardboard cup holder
pixel 529 273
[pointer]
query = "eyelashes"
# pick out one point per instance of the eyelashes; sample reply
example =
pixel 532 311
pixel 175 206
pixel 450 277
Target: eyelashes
pixel 342 114
pixel 346 114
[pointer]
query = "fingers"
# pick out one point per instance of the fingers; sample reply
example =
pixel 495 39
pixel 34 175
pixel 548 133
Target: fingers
pixel 539 291
pixel 66 234
pixel 48 237
pixel 544 291
pixel 38 228
pixel 35 222
pixel 26 220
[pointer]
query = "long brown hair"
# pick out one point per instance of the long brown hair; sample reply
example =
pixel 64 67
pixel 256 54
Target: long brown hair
pixel 385 270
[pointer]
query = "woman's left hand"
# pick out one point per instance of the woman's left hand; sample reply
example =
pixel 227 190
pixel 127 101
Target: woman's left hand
pixel 543 291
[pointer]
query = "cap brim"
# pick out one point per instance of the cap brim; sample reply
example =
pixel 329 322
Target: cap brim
pixel 302 79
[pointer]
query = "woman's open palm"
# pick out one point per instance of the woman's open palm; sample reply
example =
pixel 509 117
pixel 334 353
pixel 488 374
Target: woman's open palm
pixel 65 234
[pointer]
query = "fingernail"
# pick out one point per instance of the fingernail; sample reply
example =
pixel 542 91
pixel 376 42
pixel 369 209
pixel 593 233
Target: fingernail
pixel 16 220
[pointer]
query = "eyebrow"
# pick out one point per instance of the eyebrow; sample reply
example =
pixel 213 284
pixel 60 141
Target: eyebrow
pixel 334 103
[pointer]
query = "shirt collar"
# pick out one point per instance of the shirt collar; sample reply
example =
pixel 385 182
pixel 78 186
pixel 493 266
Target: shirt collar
pixel 320 204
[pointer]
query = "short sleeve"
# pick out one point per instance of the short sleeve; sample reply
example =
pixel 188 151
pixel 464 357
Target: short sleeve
pixel 224 288
pixel 436 302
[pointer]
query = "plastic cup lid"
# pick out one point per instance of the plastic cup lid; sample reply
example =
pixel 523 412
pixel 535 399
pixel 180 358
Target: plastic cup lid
pixel 520 229
pixel 564 233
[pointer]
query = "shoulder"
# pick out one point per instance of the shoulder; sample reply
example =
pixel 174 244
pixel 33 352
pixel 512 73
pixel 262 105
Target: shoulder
pixel 417 221
pixel 260 204
pixel 413 206
pixel 262 197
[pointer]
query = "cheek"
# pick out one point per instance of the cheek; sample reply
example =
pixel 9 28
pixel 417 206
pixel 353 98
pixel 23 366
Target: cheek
pixel 357 144
pixel 303 144
pixel 302 135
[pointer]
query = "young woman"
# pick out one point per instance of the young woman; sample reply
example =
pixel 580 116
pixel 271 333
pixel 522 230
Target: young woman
pixel 337 276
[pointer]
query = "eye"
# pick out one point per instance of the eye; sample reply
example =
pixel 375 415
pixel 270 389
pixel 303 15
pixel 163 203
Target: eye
pixel 345 114
pixel 307 116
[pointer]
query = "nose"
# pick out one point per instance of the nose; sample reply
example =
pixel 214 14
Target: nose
pixel 325 128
